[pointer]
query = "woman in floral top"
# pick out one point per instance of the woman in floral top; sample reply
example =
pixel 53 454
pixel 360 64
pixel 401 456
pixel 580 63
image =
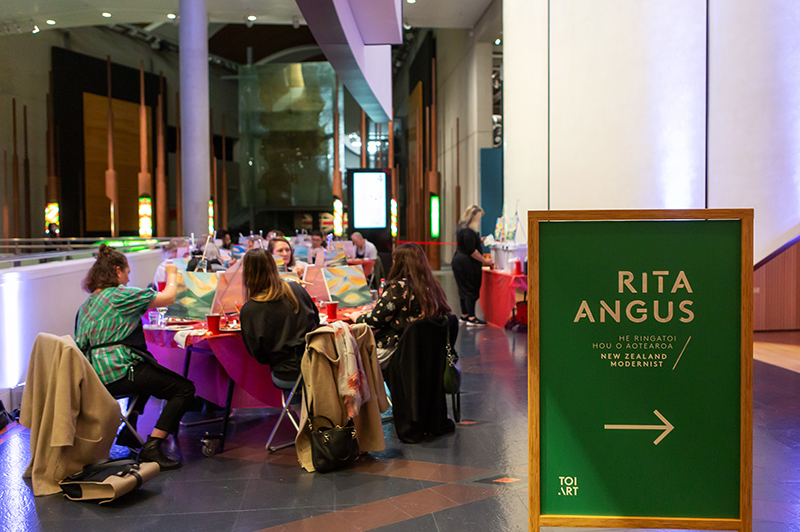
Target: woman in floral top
pixel 411 293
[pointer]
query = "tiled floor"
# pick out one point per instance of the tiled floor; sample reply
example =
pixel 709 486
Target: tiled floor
pixel 473 480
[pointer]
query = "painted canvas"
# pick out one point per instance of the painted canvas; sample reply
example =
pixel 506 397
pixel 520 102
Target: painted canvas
pixel 229 296
pixel 315 283
pixel 279 263
pixel 347 285
pixel 196 291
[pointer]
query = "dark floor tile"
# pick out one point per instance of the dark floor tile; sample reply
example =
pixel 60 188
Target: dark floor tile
pixel 196 522
pixel 417 524
pixel 305 491
pixel 352 489
pixel 108 524
pixel 504 511
pixel 253 520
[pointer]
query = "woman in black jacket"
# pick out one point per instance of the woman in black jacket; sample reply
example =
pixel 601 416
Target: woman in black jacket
pixel 276 318
pixel 467 264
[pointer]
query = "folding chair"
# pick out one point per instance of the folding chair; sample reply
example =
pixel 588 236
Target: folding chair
pixel 286 402
pixel 125 416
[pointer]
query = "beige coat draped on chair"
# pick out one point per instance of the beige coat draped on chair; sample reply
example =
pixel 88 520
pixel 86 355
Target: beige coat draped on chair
pixel 72 417
pixel 319 368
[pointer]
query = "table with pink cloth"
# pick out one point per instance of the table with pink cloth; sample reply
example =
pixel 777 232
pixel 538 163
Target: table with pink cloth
pixel 498 295
pixel 214 360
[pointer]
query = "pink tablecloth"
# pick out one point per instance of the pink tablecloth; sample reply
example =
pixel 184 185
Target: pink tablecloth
pixel 210 372
pixel 498 295
pixel 366 265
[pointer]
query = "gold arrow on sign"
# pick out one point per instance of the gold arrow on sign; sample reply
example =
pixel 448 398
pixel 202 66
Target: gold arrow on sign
pixel 666 427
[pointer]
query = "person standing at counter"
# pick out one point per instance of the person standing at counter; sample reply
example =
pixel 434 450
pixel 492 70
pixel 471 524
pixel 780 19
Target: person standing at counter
pixel 364 248
pixel 108 330
pixel 276 318
pixel 467 264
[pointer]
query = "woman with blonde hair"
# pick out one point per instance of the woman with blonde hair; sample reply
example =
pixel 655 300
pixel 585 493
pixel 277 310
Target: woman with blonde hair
pixel 467 264
pixel 276 318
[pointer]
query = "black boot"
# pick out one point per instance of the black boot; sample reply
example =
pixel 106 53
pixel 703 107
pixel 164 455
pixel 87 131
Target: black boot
pixel 151 452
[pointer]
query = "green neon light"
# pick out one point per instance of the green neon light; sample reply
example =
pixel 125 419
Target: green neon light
pixel 434 216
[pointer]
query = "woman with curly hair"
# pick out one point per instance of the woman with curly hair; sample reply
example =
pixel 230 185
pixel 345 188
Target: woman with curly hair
pixel 411 293
pixel 108 330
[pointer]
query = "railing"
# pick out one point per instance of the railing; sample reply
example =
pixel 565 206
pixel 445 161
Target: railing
pixel 16 251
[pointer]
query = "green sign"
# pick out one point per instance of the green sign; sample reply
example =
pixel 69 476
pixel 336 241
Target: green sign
pixel 640 368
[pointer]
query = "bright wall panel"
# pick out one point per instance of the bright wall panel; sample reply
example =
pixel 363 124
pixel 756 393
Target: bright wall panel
pixel 754 115
pixel 627 104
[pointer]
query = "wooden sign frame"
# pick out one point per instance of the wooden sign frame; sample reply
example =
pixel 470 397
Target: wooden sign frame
pixel 744 522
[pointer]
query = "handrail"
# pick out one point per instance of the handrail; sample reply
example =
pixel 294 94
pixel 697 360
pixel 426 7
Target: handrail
pixel 36 249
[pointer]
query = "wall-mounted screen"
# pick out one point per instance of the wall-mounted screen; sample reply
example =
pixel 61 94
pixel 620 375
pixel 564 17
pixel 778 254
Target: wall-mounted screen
pixel 369 200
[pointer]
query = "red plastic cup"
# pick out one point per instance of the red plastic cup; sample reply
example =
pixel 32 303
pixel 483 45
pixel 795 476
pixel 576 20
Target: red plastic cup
pixel 213 323
pixel 162 285
pixel 332 309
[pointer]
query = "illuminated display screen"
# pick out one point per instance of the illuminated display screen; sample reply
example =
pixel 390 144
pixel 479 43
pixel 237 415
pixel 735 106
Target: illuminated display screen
pixel 369 200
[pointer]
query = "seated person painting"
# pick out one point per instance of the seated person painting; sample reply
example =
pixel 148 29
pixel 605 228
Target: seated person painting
pixel 108 330
pixel 411 293
pixel 283 248
pixel 276 318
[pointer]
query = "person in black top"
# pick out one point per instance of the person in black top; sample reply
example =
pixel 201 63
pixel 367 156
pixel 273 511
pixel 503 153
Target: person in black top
pixel 411 293
pixel 276 318
pixel 467 264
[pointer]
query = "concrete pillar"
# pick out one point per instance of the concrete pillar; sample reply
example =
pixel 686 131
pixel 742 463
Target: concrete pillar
pixel 195 155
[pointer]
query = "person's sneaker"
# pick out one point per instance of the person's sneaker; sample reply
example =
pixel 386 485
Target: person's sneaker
pixel 463 319
pixel 475 322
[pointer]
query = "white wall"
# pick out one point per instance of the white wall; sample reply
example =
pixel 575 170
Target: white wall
pixel 754 122
pixel 609 97
pixel 464 93
pixel 25 66
pixel 45 298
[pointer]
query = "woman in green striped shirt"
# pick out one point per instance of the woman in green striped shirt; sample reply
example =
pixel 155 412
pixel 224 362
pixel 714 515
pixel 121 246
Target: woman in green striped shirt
pixel 109 332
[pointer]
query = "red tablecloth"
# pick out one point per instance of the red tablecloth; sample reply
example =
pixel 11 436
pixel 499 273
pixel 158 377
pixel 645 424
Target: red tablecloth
pixel 210 373
pixel 498 295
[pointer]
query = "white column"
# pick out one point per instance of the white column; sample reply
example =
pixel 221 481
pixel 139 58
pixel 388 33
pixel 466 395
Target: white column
pixel 194 115
pixel 525 91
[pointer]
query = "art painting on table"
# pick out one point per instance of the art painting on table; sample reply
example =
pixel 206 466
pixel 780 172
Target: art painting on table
pixel 196 291
pixel 347 285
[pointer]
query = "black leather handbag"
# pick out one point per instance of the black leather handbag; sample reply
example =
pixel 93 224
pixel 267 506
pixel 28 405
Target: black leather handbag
pixel 332 447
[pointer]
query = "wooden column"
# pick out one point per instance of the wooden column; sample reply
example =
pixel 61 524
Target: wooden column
pixel 15 172
pixel 434 179
pixel 6 196
pixel 51 190
pixel 223 202
pixel 144 176
pixel 178 176
pixel 26 173
pixel 162 196
pixel 111 175
pixel 337 173
pixel 363 139
pixel 458 176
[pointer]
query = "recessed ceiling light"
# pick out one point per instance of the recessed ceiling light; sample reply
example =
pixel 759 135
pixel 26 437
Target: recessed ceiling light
pixel 35 29
pixel 497 42
pixel 106 14
pixel 51 21
pixel 171 16
pixel 411 1
pixel 252 18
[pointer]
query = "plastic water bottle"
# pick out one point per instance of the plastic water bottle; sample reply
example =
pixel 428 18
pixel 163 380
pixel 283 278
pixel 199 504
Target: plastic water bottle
pixel 383 285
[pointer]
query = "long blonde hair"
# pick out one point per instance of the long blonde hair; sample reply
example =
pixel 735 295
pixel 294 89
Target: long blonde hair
pixel 261 279
pixel 472 212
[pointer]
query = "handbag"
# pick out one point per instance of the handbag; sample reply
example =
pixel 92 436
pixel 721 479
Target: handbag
pixel 332 446
pixel 107 480
pixel 452 369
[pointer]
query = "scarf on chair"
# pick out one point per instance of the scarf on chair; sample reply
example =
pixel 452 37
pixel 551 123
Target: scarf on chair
pixel 351 380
